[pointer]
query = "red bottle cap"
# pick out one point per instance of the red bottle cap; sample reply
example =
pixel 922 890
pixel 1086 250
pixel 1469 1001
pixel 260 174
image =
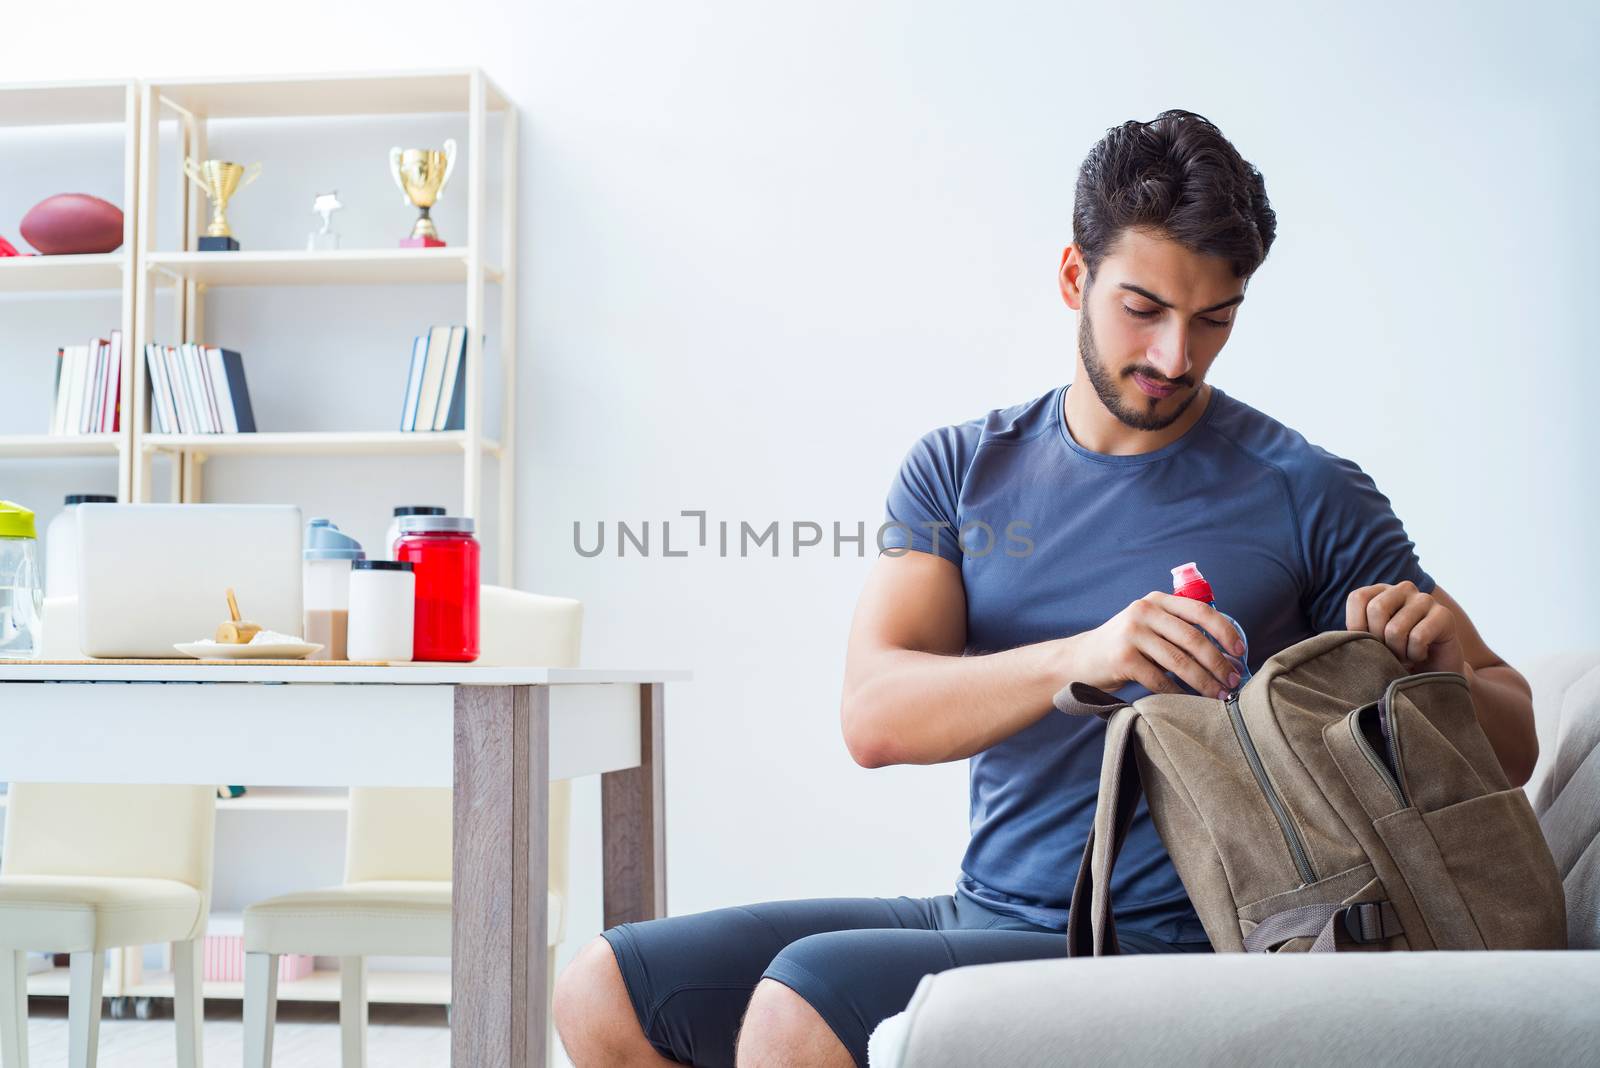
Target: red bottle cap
pixel 1188 582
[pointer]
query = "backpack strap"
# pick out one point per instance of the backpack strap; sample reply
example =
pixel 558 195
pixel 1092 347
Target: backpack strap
pixel 1091 928
pixel 1081 699
pixel 1362 923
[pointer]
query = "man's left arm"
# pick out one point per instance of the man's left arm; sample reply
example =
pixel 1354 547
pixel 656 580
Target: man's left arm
pixel 1430 632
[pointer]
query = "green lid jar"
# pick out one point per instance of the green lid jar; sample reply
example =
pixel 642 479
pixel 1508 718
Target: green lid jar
pixel 16 521
pixel 21 595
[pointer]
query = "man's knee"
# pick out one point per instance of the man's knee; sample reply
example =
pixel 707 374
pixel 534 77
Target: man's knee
pixel 593 1014
pixel 781 1028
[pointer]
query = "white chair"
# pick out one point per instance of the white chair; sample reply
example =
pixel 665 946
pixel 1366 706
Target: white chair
pixel 90 868
pixel 395 898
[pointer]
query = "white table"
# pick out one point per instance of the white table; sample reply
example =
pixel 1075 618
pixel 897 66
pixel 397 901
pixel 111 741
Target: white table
pixel 496 735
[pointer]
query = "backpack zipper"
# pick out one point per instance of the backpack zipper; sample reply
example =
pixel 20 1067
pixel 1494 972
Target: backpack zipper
pixel 1297 849
pixel 1386 726
pixel 1390 778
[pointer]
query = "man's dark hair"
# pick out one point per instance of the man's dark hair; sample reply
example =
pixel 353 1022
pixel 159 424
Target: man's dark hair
pixel 1176 175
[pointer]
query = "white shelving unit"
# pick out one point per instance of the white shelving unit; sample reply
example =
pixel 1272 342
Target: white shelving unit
pixel 195 101
pixel 44 104
pixel 141 268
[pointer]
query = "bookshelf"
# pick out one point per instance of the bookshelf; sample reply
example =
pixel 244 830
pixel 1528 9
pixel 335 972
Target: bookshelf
pixel 57 104
pixel 145 268
pixel 189 275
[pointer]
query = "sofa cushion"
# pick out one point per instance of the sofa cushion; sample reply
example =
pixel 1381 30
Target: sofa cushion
pixel 1417 1009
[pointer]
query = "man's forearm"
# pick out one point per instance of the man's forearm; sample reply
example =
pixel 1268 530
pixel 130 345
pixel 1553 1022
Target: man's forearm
pixel 928 708
pixel 1505 712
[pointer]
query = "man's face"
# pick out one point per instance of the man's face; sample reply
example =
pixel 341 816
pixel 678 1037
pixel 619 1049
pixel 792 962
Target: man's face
pixel 1150 324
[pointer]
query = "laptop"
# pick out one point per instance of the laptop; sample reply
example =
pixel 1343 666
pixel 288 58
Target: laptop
pixel 151 575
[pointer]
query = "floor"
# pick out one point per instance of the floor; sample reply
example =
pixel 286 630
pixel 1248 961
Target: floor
pixel 307 1036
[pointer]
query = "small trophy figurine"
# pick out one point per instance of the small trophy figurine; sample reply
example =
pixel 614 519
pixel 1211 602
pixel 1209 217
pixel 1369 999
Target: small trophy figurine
pixel 421 174
pixel 324 239
pixel 220 180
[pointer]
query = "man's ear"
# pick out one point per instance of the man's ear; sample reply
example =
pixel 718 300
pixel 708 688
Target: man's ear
pixel 1074 276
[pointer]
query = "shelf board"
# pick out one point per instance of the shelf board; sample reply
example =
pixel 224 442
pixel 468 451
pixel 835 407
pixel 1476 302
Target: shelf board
pixel 278 799
pixel 314 442
pixel 293 267
pixel 297 95
pixel 88 271
pixel 63 103
pixel 404 988
pixel 273 799
pixel 57 446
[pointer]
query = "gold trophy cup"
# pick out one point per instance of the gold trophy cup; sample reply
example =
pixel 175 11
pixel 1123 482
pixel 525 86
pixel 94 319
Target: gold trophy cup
pixel 220 180
pixel 421 174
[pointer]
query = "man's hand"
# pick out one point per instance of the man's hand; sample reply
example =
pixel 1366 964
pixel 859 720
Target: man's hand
pixel 1419 629
pixel 1152 636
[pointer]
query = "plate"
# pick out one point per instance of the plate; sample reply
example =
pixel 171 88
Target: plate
pixel 210 650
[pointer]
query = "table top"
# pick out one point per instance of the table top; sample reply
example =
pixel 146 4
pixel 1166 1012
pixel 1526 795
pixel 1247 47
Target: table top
pixel 289 671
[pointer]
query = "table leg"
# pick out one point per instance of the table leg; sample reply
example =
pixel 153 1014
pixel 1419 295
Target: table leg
pixel 633 824
pixel 501 872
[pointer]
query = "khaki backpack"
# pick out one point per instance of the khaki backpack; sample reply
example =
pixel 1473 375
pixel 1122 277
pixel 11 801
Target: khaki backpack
pixel 1334 802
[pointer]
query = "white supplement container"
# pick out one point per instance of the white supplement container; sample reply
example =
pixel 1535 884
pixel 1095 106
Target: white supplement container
pixel 392 535
pixel 382 599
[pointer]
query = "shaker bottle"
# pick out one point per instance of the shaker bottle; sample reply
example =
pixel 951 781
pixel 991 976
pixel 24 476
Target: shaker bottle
pixel 446 557
pixel 21 596
pixel 1188 582
pixel 328 554
pixel 61 545
pixel 392 535
pixel 382 610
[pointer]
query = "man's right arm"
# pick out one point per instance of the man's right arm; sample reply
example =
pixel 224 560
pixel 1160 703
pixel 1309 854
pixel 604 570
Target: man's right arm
pixel 912 697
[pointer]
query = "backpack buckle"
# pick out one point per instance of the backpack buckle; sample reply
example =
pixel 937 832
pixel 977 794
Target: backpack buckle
pixel 1363 922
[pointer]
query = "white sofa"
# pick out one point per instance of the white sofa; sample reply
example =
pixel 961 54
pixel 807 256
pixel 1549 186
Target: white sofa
pixel 1415 1009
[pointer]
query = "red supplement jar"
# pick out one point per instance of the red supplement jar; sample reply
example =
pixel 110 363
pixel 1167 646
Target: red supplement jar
pixel 444 555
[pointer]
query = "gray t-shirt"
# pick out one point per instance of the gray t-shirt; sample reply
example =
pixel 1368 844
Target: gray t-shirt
pixel 1053 540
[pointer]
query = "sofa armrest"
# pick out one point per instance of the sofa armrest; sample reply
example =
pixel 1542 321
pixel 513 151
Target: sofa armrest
pixel 1416 1009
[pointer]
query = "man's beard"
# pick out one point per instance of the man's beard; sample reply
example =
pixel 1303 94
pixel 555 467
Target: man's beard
pixel 1105 384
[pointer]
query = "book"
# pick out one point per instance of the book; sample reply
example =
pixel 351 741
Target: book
pixel 163 412
pixel 215 389
pixel 110 415
pixel 78 357
pixel 452 411
pixel 208 388
pixel 58 415
pixel 237 414
pixel 197 389
pixel 432 376
pixel 218 377
pixel 180 389
pixel 408 408
pixel 93 387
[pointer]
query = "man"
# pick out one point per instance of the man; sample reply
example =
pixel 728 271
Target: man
pixel 1024 548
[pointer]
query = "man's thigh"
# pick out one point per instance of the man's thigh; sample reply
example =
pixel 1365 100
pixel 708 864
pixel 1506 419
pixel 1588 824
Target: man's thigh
pixel 690 977
pixel 857 979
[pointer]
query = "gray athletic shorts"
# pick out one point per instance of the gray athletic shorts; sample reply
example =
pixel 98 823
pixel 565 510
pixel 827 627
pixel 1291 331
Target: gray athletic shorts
pixel 857 961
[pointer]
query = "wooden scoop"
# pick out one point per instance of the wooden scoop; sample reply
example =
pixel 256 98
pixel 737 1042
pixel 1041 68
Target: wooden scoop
pixel 237 632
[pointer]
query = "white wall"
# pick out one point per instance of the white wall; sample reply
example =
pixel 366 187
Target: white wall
pixel 764 246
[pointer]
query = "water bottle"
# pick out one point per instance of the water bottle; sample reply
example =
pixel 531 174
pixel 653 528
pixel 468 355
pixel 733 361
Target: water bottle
pixel 21 595
pixel 1188 582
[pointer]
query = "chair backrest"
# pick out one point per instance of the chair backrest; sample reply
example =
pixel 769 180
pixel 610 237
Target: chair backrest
pixel 151 832
pixel 148 832
pixel 404 833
